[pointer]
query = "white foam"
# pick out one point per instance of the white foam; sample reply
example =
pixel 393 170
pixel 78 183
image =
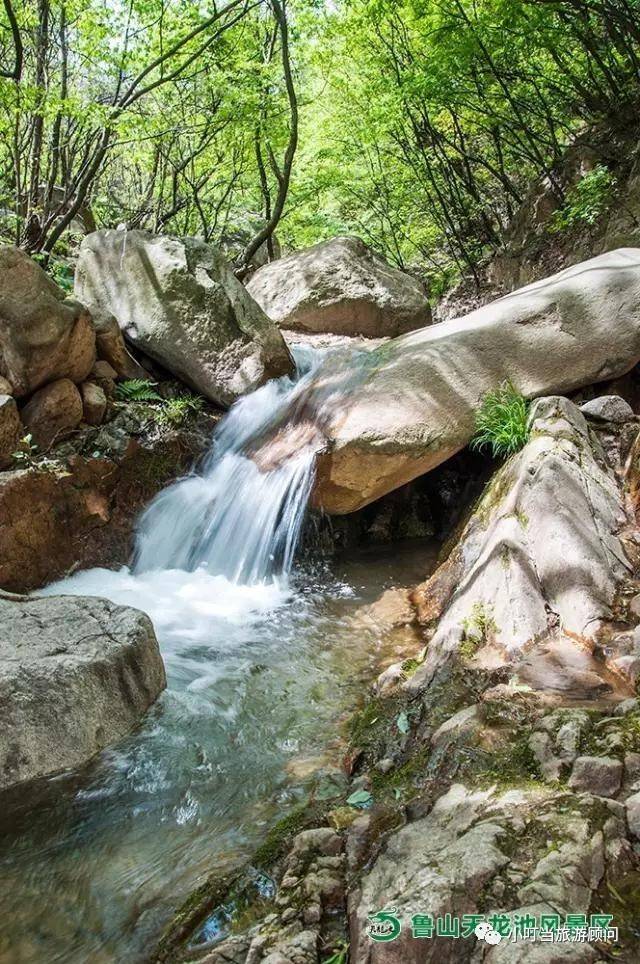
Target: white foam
pixel 184 606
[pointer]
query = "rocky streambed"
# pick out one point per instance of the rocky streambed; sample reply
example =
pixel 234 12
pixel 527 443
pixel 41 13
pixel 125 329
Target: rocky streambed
pixel 495 775
pixel 490 777
pixel 250 728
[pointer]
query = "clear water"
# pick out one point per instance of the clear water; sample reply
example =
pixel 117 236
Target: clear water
pixel 262 664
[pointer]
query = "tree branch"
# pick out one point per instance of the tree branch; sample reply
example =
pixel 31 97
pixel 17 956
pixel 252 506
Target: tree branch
pixel 18 47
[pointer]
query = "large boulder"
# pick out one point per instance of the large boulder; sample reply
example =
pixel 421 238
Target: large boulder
pixel 415 404
pixel 340 287
pixel 43 335
pixel 76 674
pixel 178 301
pixel 480 855
pixel 541 558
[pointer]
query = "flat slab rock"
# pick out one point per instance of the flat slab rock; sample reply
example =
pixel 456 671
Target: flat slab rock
pixel 416 405
pixel 76 674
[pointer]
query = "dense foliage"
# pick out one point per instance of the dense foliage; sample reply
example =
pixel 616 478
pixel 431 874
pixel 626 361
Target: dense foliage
pixel 415 123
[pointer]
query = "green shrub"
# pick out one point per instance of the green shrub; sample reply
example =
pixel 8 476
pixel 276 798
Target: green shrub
pixel 502 422
pixel 137 390
pixel 57 269
pixel 586 201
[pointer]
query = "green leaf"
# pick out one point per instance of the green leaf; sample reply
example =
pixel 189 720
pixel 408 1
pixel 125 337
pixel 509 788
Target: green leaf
pixel 137 390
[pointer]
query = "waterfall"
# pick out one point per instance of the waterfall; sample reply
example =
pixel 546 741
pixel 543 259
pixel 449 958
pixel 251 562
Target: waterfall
pixel 214 549
pixel 241 515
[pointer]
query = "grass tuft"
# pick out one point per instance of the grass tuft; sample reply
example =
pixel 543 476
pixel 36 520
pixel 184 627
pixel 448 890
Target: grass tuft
pixel 502 422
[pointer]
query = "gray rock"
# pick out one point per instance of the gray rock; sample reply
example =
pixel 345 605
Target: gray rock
pixel 43 335
pixel 599 775
pixel 358 841
pixel 460 724
pixel 627 706
pixel 385 765
pixel 178 301
pixel 302 948
pixel 634 606
pixel 467 847
pixel 340 287
pixel 233 950
pixel 541 551
pixel 388 679
pixel 10 430
pixel 416 405
pixel 632 771
pixel 76 674
pixel 542 748
pixel 322 840
pixel 632 805
pixel 451 855
pixel 568 739
pixel 608 408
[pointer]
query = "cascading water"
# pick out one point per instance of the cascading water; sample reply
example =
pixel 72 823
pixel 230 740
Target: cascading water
pixel 261 662
pixel 234 518
pixel 219 544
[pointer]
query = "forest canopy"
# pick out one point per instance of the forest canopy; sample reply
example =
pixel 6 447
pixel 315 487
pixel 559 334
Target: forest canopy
pixel 417 124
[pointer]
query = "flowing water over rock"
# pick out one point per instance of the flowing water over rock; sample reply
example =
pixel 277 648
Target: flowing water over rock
pixel 261 665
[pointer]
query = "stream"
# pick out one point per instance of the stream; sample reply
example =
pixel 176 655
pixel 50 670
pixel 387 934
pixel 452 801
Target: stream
pixel 264 659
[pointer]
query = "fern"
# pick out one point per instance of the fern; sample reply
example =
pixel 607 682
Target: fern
pixel 502 422
pixel 137 390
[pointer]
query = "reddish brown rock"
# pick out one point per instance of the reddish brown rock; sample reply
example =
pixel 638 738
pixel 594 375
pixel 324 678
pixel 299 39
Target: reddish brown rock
pixel 52 413
pixel 43 335
pixel 111 346
pixel 104 375
pixel 10 430
pixel 94 403
pixel 83 513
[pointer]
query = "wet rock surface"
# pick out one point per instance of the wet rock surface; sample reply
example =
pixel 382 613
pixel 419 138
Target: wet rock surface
pixel 77 506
